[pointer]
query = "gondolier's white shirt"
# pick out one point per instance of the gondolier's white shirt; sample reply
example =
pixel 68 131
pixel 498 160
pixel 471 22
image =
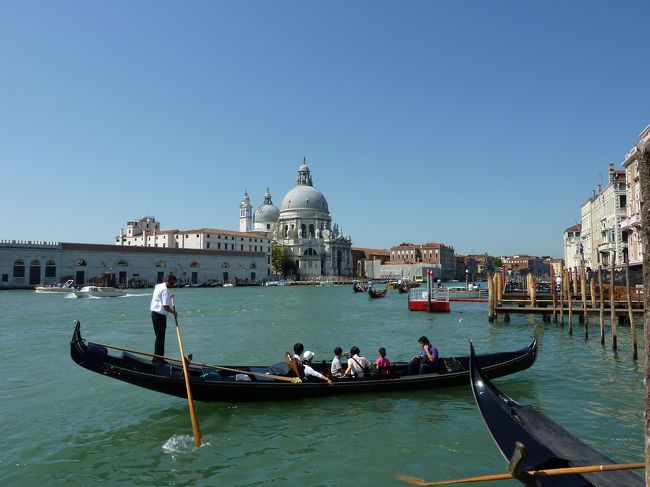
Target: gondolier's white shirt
pixel 160 298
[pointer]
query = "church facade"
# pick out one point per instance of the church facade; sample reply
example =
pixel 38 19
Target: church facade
pixel 303 226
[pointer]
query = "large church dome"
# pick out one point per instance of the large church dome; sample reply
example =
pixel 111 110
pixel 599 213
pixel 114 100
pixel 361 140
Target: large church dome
pixel 304 195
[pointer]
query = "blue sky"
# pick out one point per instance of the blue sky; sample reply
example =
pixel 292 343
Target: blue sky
pixel 481 125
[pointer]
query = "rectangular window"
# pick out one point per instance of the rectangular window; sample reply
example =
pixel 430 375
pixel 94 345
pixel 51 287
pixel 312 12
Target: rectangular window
pixel 207 245
pixel 5 277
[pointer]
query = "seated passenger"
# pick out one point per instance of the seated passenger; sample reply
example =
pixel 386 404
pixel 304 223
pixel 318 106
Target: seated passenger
pixel 298 348
pixel 357 365
pixel 382 363
pixel 337 368
pixel 428 361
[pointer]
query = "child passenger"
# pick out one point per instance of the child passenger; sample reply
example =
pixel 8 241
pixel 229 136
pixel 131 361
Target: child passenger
pixel 382 362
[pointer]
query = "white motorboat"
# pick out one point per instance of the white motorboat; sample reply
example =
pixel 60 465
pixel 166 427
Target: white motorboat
pixel 98 292
pixel 56 288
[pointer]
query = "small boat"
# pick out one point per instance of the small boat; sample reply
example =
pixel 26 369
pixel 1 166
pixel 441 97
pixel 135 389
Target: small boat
pixel 431 301
pixel 546 443
pixel 98 292
pixel 218 383
pixel 358 288
pixel 67 287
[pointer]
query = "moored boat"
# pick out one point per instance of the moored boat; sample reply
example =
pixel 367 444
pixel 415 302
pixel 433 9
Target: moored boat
pixel 431 301
pixel 212 383
pixel 547 445
pixel 67 287
pixel 98 292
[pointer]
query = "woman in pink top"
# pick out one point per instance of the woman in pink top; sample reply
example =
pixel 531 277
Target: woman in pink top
pixel 382 362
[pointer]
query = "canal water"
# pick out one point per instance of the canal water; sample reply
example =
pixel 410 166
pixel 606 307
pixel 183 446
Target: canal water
pixel 64 424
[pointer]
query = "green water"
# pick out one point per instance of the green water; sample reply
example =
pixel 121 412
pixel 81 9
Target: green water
pixel 64 424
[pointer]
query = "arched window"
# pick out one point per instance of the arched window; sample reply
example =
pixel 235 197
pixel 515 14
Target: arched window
pixel 312 231
pixel 253 266
pixel 310 251
pixel 50 268
pixel 80 262
pixel 225 265
pixel 123 263
pixel 19 268
pixel 194 265
pixel 35 262
pixel 160 263
pixel 303 230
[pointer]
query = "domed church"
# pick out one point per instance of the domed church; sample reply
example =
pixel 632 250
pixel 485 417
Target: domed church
pixel 303 226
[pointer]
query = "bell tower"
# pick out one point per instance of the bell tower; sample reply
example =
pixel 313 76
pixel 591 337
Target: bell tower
pixel 245 214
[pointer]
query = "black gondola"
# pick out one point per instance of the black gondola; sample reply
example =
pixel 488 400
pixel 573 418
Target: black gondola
pixel 546 443
pixel 358 288
pixel 376 293
pixel 251 383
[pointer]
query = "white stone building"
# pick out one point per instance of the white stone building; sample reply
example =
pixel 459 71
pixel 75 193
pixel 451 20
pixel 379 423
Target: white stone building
pixel 24 264
pixel 631 222
pixel 573 247
pixel 601 234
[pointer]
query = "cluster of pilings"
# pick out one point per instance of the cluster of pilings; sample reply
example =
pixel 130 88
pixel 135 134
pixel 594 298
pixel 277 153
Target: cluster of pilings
pixel 576 294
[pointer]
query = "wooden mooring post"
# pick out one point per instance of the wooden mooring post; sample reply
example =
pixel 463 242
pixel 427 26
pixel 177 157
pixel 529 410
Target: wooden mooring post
pixel 562 288
pixel 583 291
pixel 601 298
pixel 635 355
pixel 570 311
pixel 612 301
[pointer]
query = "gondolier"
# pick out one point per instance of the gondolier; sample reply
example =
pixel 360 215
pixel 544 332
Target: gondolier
pixel 160 306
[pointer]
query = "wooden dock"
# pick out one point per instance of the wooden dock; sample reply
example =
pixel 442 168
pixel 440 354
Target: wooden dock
pixel 577 296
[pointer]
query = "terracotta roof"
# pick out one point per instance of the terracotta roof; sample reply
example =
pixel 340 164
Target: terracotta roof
pixel 576 227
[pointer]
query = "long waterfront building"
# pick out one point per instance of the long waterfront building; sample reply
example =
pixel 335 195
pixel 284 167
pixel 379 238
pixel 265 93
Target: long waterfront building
pixel 25 264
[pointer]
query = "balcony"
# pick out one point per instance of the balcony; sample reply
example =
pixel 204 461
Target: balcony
pixel 631 221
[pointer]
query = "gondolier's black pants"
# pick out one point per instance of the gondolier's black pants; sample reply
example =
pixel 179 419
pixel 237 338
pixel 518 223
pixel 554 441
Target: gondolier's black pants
pixel 159 326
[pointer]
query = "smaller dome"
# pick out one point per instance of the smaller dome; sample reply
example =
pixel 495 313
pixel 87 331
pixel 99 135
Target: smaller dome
pixel 303 168
pixel 266 214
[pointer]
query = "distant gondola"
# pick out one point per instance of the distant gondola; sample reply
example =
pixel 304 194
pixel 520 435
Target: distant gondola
pixel 358 288
pixel 238 383
pixel 546 443
pixel 376 293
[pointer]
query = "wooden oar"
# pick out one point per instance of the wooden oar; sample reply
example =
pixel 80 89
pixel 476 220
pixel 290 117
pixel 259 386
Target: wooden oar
pixel 195 424
pixel 539 473
pixel 218 367
pixel 292 365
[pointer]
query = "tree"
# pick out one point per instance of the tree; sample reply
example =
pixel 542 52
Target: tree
pixel 281 262
pixel 497 261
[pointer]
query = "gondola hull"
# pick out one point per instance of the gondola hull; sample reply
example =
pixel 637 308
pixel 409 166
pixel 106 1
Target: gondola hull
pixel 547 444
pixel 214 384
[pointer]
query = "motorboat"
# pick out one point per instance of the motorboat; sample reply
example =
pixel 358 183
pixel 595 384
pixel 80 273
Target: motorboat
pixel 67 287
pixel 98 292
